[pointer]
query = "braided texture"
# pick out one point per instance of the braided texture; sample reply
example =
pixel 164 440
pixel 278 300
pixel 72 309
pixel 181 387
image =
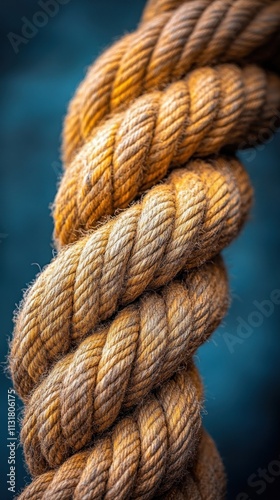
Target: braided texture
pixel 196 33
pixel 147 449
pixel 179 224
pixel 118 366
pixel 65 482
pixel 133 150
pixel 152 191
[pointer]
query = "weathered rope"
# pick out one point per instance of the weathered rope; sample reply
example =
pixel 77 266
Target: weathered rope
pixel 87 388
pixel 204 480
pixel 179 224
pixel 113 408
pixel 152 429
pixel 199 32
pixel 132 151
pixel 154 8
pixel 143 450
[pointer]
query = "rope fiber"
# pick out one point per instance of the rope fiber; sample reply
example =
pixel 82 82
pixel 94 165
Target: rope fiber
pixel 152 192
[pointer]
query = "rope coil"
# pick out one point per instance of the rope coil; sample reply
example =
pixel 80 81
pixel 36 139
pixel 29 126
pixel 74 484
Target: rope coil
pixel 198 33
pixel 134 150
pixel 104 339
pixel 87 388
pixel 179 224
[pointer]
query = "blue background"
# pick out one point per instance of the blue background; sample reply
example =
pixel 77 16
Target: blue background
pixel 241 387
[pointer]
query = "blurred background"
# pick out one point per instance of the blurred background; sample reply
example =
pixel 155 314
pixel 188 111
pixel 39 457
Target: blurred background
pixel 241 375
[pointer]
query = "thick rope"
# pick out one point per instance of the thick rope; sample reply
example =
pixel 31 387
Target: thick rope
pixel 154 8
pixel 133 150
pixel 113 409
pixel 170 436
pixel 199 32
pixel 179 224
pixel 148 448
pixel 204 480
pixel 87 388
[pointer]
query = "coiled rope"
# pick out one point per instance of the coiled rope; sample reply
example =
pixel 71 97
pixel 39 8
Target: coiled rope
pixel 104 339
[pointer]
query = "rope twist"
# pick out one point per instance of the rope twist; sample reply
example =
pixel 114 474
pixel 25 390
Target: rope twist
pixel 103 346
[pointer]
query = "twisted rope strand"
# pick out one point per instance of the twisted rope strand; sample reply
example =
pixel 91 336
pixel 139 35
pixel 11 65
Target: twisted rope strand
pixel 198 33
pixel 116 367
pixel 144 452
pixel 154 8
pixel 133 151
pixel 205 480
pixel 179 224
pixel 208 470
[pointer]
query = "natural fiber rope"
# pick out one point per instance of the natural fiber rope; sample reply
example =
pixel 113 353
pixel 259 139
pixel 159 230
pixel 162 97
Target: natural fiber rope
pixel 199 32
pixel 154 8
pixel 179 224
pixel 87 388
pixel 206 478
pixel 154 417
pixel 134 377
pixel 133 150
pixel 129 459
